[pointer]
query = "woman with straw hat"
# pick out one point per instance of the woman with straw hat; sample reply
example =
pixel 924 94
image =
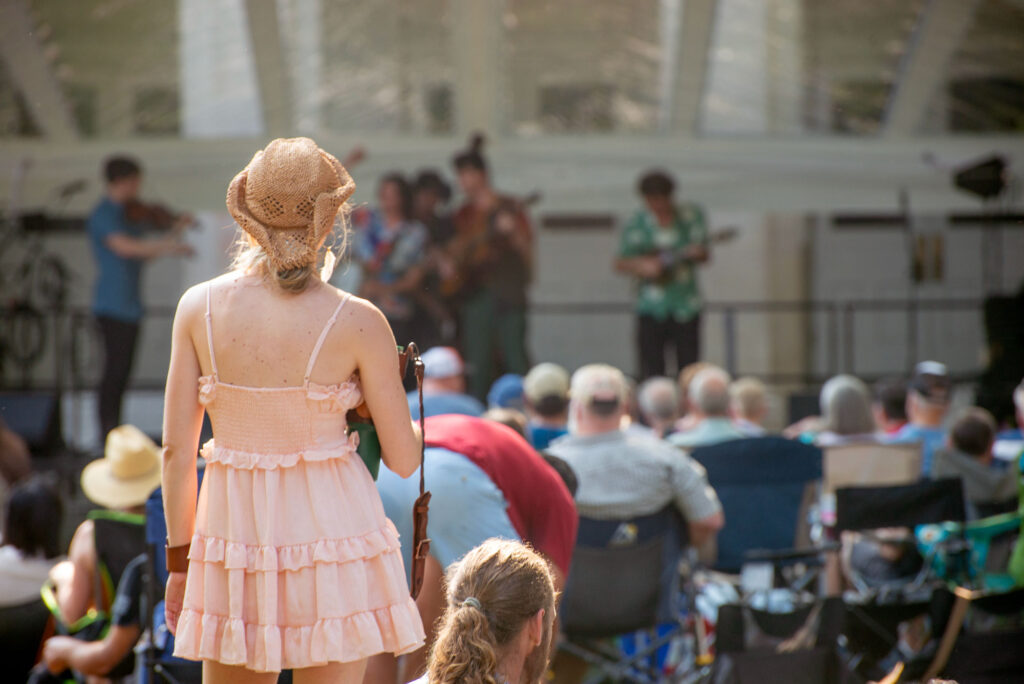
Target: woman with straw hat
pixel 288 561
pixel 120 481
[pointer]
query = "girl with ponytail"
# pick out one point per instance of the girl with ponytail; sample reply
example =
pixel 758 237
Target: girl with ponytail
pixel 498 623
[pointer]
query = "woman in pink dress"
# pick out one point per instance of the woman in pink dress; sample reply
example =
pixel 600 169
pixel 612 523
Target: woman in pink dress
pixel 288 560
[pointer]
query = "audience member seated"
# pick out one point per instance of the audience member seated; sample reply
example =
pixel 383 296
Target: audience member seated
pixel 846 415
pixel 31 541
pixel 890 405
pixel 709 407
pixel 15 462
pixel 546 394
pixel 658 402
pixel 112 656
pixel 1009 444
pixel 687 419
pixel 846 412
pixel 749 400
pixel 969 457
pixel 506 392
pixel 120 481
pixel 623 474
pixel 498 622
pixel 509 418
pixel 927 404
pixel 444 386
pixel 486 482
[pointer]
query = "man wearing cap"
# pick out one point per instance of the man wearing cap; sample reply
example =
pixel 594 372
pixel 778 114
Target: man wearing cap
pixel 506 393
pixel 546 391
pixel 927 404
pixel 444 386
pixel 120 481
pixel 624 474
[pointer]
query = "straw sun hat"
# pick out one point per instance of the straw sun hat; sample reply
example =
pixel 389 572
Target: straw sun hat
pixel 287 198
pixel 128 472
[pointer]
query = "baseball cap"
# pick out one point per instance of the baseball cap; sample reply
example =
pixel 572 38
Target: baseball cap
pixel 599 384
pixel 506 392
pixel 546 380
pixel 931 381
pixel 442 362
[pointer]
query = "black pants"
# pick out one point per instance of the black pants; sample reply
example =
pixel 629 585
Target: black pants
pixel 118 353
pixel 654 335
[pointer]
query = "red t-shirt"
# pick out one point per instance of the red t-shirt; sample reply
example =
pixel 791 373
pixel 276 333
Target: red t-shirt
pixel 539 504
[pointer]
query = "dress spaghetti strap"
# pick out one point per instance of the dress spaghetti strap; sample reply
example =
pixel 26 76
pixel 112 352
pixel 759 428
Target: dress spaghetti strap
pixel 323 336
pixel 209 333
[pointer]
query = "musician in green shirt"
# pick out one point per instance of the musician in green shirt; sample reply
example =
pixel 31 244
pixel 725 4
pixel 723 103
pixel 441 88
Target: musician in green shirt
pixel 661 246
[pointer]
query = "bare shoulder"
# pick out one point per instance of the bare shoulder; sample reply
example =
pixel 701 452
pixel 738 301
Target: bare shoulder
pixel 83 542
pixel 363 317
pixel 192 304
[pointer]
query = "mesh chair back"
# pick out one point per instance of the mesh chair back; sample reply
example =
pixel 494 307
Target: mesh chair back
pixel 752 476
pixel 623 574
pixel 871 464
pixel 120 537
pixel 21 632
pixel 871 508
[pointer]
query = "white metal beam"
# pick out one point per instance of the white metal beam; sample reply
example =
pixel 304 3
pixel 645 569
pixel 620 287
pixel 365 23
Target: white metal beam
pixel 698 24
pixel 936 38
pixel 272 75
pixel 29 69
pixel 476 54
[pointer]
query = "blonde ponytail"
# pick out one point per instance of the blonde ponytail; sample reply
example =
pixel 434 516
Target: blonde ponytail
pixel 491 593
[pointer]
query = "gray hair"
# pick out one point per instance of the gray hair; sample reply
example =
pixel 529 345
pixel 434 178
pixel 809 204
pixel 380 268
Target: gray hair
pixel 846 406
pixel 1018 398
pixel 658 398
pixel 749 396
pixel 709 392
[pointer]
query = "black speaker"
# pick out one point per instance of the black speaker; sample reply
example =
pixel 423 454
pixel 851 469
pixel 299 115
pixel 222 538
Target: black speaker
pixel 35 417
pixel 1004 331
pixel 986 179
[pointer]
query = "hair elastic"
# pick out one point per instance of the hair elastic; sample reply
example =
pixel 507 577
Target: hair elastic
pixel 472 601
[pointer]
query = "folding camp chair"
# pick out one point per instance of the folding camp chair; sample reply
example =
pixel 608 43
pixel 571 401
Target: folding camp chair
pixel 866 464
pixel 981 640
pixel 157 645
pixel 798 646
pixel 904 594
pixel 755 475
pixel 624 579
pixel 22 628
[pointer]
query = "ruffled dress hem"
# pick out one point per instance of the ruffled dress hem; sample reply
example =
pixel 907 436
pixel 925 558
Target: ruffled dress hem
pixel 231 641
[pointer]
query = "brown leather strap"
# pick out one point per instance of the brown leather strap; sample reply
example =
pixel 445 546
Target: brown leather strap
pixel 421 507
pixel 177 558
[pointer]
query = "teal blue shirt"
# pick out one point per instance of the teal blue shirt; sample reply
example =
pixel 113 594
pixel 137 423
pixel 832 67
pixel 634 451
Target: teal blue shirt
pixel 116 293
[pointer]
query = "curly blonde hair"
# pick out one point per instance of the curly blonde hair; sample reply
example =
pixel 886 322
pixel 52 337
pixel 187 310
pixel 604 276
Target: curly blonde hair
pixel 249 258
pixel 491 593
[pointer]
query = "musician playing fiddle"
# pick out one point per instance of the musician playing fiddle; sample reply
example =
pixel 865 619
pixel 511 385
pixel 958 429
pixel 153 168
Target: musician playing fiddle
pixel 488 271
pixel 116 229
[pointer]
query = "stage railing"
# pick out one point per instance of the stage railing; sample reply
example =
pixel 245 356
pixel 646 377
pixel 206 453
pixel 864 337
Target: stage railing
pixel 69 342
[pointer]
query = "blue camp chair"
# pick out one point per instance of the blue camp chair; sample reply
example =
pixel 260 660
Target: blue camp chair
pixel 159 663
pixel 752 476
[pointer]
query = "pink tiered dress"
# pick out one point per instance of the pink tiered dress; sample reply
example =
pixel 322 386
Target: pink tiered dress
pixel 293 563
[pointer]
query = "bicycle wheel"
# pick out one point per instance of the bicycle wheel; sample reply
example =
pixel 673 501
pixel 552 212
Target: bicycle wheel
pixel 25 335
